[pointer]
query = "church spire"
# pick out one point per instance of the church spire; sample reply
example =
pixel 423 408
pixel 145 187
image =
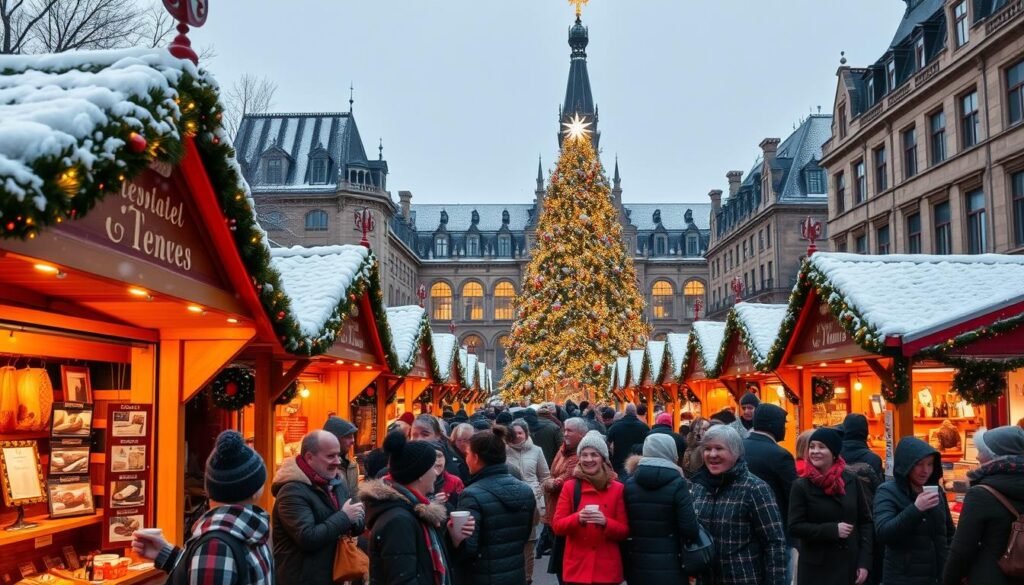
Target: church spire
pixel 579 100
pixel 540 174
pixel 617 180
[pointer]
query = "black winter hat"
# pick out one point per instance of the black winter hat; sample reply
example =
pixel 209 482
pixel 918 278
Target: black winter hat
pixel 504 418
pixel 339 427
pixel 480 424
pixel 724 416
pixel 831 438
pixel 750 399
pixel 374 462
pixel 408 460
pixel 855 427
pixel 770 419
pixel 234 472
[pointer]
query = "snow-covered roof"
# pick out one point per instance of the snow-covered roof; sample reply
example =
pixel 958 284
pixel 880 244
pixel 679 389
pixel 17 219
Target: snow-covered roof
pixel 481 375
pixel 317 282
pixel 613 377
pixel 443 345
pixel 675 344
pixel 406 326
pixel 908 295
pixel 655 359
pixel 636 366
pixel 707 336
pixel 621 370
pixel 760 322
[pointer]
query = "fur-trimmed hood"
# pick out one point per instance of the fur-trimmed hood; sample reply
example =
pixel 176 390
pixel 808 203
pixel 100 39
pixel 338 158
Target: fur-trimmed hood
pixel 631 462
pixel 381 495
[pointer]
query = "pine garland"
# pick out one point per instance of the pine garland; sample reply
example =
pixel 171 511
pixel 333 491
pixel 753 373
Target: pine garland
pixel 823 390
pixel 233 388
pixel 288 395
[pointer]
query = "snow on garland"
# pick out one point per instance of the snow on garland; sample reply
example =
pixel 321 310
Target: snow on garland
pixel 233 389
pixel 823 390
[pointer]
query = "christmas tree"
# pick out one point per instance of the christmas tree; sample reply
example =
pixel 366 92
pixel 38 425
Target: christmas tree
pixel 580 305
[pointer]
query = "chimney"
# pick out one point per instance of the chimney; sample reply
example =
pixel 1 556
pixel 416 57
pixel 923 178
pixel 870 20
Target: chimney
pixel 405 199
pixel 769 146
pixel 735 178
pixel 716 200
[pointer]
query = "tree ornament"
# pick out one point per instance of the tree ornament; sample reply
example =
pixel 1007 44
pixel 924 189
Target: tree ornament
pixel 136 143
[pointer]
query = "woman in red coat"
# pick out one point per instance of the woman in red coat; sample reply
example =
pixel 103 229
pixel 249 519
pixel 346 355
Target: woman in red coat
pixel 594 528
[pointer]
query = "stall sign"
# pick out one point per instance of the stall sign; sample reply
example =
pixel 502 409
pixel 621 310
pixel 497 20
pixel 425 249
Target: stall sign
pixel 293 427
pixel 823 338
pixel 738 361
pixel 129 487
pixel 421 368
pixel 352 343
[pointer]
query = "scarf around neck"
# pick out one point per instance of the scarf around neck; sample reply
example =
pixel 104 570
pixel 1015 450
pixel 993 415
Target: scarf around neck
pixel 319 482
pixel 831 482
pixel 599 479
pixel 435 547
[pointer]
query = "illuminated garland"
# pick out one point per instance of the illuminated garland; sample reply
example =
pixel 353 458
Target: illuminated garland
pixel 735 326
pixel 693 348
pixel 823 390
pixel 791 396
pixel 233 388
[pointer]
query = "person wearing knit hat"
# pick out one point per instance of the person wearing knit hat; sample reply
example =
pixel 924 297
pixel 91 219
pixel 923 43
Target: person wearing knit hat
pixel 313 508
pixel 663 426
pixel 830 500
pixel 856 448
pixel 406 530
pixel 767 459
pixel 346 434
pixel 1005 441
pixel 233 535
pixel 594 440
pixel 745 423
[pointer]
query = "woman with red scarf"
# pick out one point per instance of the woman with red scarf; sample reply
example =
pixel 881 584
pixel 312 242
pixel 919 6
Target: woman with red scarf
pixel 830 515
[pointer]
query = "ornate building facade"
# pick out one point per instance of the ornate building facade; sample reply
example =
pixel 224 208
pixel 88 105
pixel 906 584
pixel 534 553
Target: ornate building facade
pixel 310 175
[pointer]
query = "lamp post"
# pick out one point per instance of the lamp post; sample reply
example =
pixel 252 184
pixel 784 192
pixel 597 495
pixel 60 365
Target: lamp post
pixel 365 222
pixel 811 231
pixel 421 294
pixel 697 306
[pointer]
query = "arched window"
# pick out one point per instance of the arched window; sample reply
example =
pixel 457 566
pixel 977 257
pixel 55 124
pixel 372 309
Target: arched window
pixel 661 301
pixel 473 301
pixel 316 221
pixel 441 302
pixel 441 246
pixel 273 221
pixel 692 291
pixel 499 358
pixel 503 295
pixel 474 344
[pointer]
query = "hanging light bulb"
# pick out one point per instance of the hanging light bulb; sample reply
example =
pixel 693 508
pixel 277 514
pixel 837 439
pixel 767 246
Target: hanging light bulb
pixel 304 392
pixel 857 386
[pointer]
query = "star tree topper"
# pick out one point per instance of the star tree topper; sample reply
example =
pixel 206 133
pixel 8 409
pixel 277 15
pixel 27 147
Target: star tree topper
pixel 579 5
pixel 577 127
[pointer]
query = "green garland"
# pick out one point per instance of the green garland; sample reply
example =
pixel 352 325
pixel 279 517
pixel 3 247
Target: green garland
pixel 900 392
pixel 979 383
pixel 288 395
pixel 823 390
pixel 735 326
pixel 233 388
pixel 693 348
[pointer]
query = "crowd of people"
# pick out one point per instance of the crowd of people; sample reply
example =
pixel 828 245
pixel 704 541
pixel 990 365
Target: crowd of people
pixel 480 499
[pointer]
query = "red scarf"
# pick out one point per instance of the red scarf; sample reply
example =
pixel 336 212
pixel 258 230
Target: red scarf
pixel 435 554
pixel 830 482
pixel 318 482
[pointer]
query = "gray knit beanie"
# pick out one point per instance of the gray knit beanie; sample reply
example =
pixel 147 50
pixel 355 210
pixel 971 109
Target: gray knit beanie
pixel 594 440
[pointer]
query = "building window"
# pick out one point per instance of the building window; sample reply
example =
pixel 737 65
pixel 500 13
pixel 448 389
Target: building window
pixel 660 245
pixel 503 295
pixel 814 182
pixel 914 233
pixel 762 277
pixel 1015 92
pixel 760 240
pixel 504 246
pixel 499 357
pixel 440 246
pixel 441 302
pixel 744 249
pixel 474 344
pixel 970 121
pixel 768 236
pixel 692 291
pixel 882 239
pixel 472 245
pixel 881 170
pixel 871 89
pixel 919 56
pixel 841 123
pixel 273 174
pixel 662 295
pixel 692 245
pixel 841 246
pixel 963 33
pixel 769 274
pixel 1018 206
pixel 943 229
pixel 909 152
pixel 473 302
pixel 861 244
pixel 318 171
pixel 273 221
pixel 937 127
pixel 890 74
pixel 316 221
pixel 860 188
pixel 840 183
pixel 977 239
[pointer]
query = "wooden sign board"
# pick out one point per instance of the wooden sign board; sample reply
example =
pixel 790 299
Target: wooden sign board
pixel 822 338
pixel 695 371
pixel 422 368
pixel 354 343
pixel 737 359
pixel 129 475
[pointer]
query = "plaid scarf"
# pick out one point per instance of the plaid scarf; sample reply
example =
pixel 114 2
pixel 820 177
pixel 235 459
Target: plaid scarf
pixel 434 545
pixel 830 482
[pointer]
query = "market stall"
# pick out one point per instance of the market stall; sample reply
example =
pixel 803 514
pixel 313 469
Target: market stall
pixel 450 375
pixel 700 372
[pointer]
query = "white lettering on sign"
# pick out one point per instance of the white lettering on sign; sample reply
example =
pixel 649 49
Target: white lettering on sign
pixel 828 334
pixel 351 336
pixel 130 229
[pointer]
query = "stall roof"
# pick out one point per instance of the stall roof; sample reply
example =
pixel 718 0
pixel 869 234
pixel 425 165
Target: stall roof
pixel 468 361
pixel 758 327
pixel 706 343
pixel 636 366
pixel 655 360
pixel 407 328
pixel 675 344
pixel 444 346
pixel 621 371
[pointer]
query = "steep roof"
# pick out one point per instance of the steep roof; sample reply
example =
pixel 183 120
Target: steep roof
pixel 802 146
pixel 407 326
pixel 427 217
pixel 675 344
pixel 913 17
pixel 444 345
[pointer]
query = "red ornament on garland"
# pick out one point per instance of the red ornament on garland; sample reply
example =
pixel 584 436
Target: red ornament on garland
pixel 371 391
pixel 231 388
pixel 136 142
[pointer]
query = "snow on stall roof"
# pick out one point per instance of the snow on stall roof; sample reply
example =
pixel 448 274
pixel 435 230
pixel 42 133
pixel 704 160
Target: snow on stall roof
pixel 621 369
pixel 656 356
pixel 470 363
pixel 710 335
pixel 444 350
pixel 317 279
pixel 909 294
pixel 636 365
pixel 481 375
pixel 676 343
pixel 405 324
pixel 612 377
pixel 762 323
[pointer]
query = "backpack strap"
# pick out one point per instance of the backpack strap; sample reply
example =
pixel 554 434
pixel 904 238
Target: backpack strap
pixel 1002 500
pixel 577 494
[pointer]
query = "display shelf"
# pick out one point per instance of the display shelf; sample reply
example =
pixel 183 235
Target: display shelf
pixel 47 526
pixel 132 578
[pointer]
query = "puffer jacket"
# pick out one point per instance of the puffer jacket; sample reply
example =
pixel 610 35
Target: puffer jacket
pixel 503 508
pixel 398 523
pixel 916 543
pixel 306 526
pixel 529 460
pixel 661 521
pixel 984 526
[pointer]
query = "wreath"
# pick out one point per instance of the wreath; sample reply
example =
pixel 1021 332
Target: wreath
pixel 979 383
pixel 691 396
pixel 288 395
pixel 233 389
pixel 823 390
pixel 367 397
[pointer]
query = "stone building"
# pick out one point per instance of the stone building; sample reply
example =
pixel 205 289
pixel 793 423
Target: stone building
pixel 927 148
pixel 310 175
pixel 755 234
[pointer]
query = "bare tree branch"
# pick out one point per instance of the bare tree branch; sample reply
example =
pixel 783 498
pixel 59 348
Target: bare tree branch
pixel 248 95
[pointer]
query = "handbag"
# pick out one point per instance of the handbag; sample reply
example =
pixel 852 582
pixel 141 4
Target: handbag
pixel 350 563
pixel 697 555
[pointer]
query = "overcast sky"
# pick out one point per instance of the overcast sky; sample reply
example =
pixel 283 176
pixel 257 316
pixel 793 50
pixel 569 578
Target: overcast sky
pixel 466 93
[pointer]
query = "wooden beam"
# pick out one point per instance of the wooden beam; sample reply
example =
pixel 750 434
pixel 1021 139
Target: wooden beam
pixel 205 359
pixel 649 393
pixel 169 475
pixel 289 376
pixel 382 411
pixel 267 370
pixel 417 387
pixel 884 374
pixel 733 387
pixel 677 407
pixel 14 314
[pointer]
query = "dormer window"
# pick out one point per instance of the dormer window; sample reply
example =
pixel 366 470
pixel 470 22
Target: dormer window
pixel 871 89
pixel 473 245
pixel 504 246
pixel 815 181
pixel 274 173
pixel 441 246
pixel 692 245
pixel 890 74
pixel 318 171
pixel 919 55
pixel 660 245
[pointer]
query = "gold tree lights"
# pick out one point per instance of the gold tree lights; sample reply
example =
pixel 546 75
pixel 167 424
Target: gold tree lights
pixel 579 306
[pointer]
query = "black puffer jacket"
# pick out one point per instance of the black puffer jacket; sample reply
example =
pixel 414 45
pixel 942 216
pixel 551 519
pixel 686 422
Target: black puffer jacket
pixel 623 434
pixel 503 508
pixel 855 443
pixel 916 543
pixel 398 550
pixel 305 527
pixel 661 520
pixel 984 525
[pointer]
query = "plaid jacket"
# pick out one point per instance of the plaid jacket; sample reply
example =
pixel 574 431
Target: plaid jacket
pixel 213 563
pixel 741 514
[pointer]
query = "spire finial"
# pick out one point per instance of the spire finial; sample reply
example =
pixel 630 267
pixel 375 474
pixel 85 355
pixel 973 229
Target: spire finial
pixel 540 174
pixel 380 149
pixel 842 57
pixel 351 96
pixel 616 178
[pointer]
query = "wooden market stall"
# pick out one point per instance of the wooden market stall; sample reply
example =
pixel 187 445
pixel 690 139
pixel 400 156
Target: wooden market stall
pixel 700 372
pixel 450 375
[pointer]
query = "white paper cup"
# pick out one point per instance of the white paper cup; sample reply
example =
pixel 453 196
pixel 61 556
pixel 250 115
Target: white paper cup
pixel 151 531
pixel 931 488
pixel 459 519
pixel 592 507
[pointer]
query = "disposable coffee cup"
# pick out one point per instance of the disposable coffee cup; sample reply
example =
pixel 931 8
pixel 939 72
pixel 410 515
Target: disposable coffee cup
pixel 592 508
pixel 931 488
pixel 459 519
pixel 151 531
